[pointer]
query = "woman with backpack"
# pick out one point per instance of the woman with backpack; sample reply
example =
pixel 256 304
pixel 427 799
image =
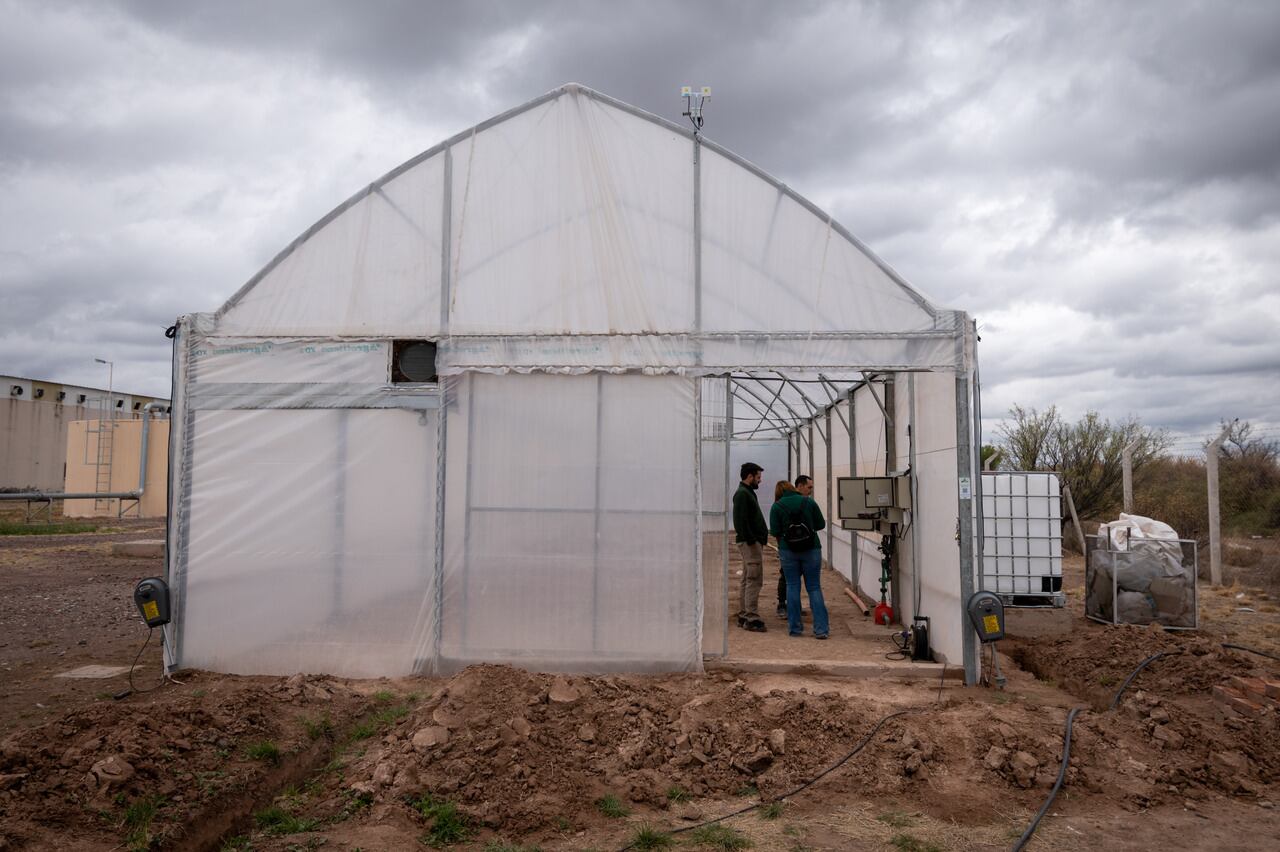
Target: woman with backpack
pixel 795 520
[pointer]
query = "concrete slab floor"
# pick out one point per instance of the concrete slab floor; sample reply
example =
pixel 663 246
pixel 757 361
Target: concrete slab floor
pixel 857 646
pixel 95 672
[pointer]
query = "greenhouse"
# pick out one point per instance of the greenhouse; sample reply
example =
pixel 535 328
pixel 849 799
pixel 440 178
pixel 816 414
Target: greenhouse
pixel 485 410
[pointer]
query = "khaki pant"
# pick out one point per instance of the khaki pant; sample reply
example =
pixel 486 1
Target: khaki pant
pixel 752 579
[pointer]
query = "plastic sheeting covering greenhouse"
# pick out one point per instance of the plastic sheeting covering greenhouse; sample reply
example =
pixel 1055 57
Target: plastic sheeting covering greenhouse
pixel 585 272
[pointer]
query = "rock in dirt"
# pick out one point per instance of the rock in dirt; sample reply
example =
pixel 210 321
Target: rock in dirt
pixel 12 779
pixel 445 719
pixel 383 774
pixel 996 758
pixel 521 726
pixel 587 732
pixel 1023 764
pixel 430 737
pixel 913 764
pixel 778 741
pixel 112 771
pixel 563 692
pixel 1168 736
pixel 1232 762
pixel 759 762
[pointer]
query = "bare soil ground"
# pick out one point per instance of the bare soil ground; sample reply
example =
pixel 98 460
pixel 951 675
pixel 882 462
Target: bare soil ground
pixel 496 757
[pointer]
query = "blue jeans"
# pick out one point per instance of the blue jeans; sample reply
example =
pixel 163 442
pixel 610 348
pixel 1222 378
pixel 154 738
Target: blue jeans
pixel 806 564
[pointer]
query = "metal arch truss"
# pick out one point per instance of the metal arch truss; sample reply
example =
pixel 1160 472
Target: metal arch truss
pixel 765 395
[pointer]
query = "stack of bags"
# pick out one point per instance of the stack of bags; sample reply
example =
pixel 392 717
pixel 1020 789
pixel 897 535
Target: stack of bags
pixel 1150 582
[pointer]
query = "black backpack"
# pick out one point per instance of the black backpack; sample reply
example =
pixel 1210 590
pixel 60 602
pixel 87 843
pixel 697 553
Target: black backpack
pixel 797 533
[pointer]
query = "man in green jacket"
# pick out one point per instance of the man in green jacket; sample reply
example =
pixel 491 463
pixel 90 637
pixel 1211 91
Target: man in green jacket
pixel 752 535
pixel 795 519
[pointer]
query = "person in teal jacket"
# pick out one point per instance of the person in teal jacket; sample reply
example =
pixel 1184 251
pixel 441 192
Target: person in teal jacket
pixel 794 521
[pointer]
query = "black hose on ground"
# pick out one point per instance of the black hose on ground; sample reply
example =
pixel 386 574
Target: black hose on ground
pixel 1250 650
pixel 1057 785
pixel 1066 747
pixel 832 768
pixel 1115 702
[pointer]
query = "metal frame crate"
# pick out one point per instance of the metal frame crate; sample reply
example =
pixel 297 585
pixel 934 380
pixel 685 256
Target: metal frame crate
pixel 1158 576
pixel 1022 537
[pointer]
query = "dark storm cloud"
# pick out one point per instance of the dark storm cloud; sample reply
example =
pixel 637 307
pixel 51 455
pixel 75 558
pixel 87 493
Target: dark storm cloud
pixel 1098 182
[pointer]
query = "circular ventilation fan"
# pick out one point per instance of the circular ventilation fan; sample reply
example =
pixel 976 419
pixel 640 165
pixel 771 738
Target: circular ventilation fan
pixel 415 361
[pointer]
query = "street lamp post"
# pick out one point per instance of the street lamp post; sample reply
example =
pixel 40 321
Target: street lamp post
pixel 111 369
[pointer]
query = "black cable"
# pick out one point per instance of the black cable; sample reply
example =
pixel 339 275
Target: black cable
pixel 815 779
pixel 1250 650
pixel 900 643
pixel 1057 785
pixel 133 689
pixel 1115 702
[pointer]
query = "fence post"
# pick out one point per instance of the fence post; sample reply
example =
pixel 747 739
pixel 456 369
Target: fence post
pixel 1126 462
pixel 1215 523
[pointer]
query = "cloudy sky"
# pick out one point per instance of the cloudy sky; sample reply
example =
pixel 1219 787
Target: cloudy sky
pixel 1098 183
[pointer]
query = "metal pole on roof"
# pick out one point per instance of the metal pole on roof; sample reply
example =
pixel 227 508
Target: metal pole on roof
pixel 595 537
pixel 697 233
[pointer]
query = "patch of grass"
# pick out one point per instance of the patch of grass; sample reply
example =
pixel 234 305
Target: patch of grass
pixel 907 843
pixel 266 751
pixel 611 807
pixel 389 715
pixel 719 836
pixel 563 825
pixel 749 790
pixel 356 803
pixel 896 819
pixel 7 528
pixel 677 795
pixel 1106 680
pixel 276 820
pixel 239 843
pixel 199 693
pixel 364 730
pixel 382 696
pixel 446 825
pixel 648 838
pixel 137 820
pixel 317 728
pixel 773 810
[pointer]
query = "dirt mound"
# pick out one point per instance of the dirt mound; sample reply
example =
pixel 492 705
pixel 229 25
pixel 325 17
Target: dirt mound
pixel 1168 738
pixel 1093 662
pixel 517 749
pixel 144 769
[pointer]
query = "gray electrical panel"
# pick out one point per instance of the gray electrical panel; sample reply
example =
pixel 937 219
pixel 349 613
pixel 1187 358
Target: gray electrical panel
pixel 873 503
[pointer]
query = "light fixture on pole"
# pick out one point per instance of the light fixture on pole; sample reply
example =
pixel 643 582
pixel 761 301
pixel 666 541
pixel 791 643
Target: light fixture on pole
pixel 111 369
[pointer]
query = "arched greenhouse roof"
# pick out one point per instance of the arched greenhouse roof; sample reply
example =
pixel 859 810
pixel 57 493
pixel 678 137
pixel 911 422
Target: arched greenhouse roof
pixel 577 232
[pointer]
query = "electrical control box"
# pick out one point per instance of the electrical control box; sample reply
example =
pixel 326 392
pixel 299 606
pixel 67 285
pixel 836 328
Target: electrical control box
pixel 986 613
pixel 873 503
pixel 152 599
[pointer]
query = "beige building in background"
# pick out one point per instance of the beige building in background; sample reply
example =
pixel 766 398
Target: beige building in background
pixel 125 472
pixel 35 417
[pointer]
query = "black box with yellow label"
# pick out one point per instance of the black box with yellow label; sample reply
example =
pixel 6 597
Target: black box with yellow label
pixel 152 598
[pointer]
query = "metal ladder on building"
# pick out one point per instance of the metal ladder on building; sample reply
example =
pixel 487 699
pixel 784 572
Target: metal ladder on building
pixel 105 430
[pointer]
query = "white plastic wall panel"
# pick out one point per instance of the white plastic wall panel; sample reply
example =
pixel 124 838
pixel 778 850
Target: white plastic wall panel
pixel 770 263
pixel 571 523
pixel 372 269
pixel 307 549
pixel 839 556
pixel 870 450
pixel 1022 533
pixel 572 217
pixel 262 361
pixel 937 556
